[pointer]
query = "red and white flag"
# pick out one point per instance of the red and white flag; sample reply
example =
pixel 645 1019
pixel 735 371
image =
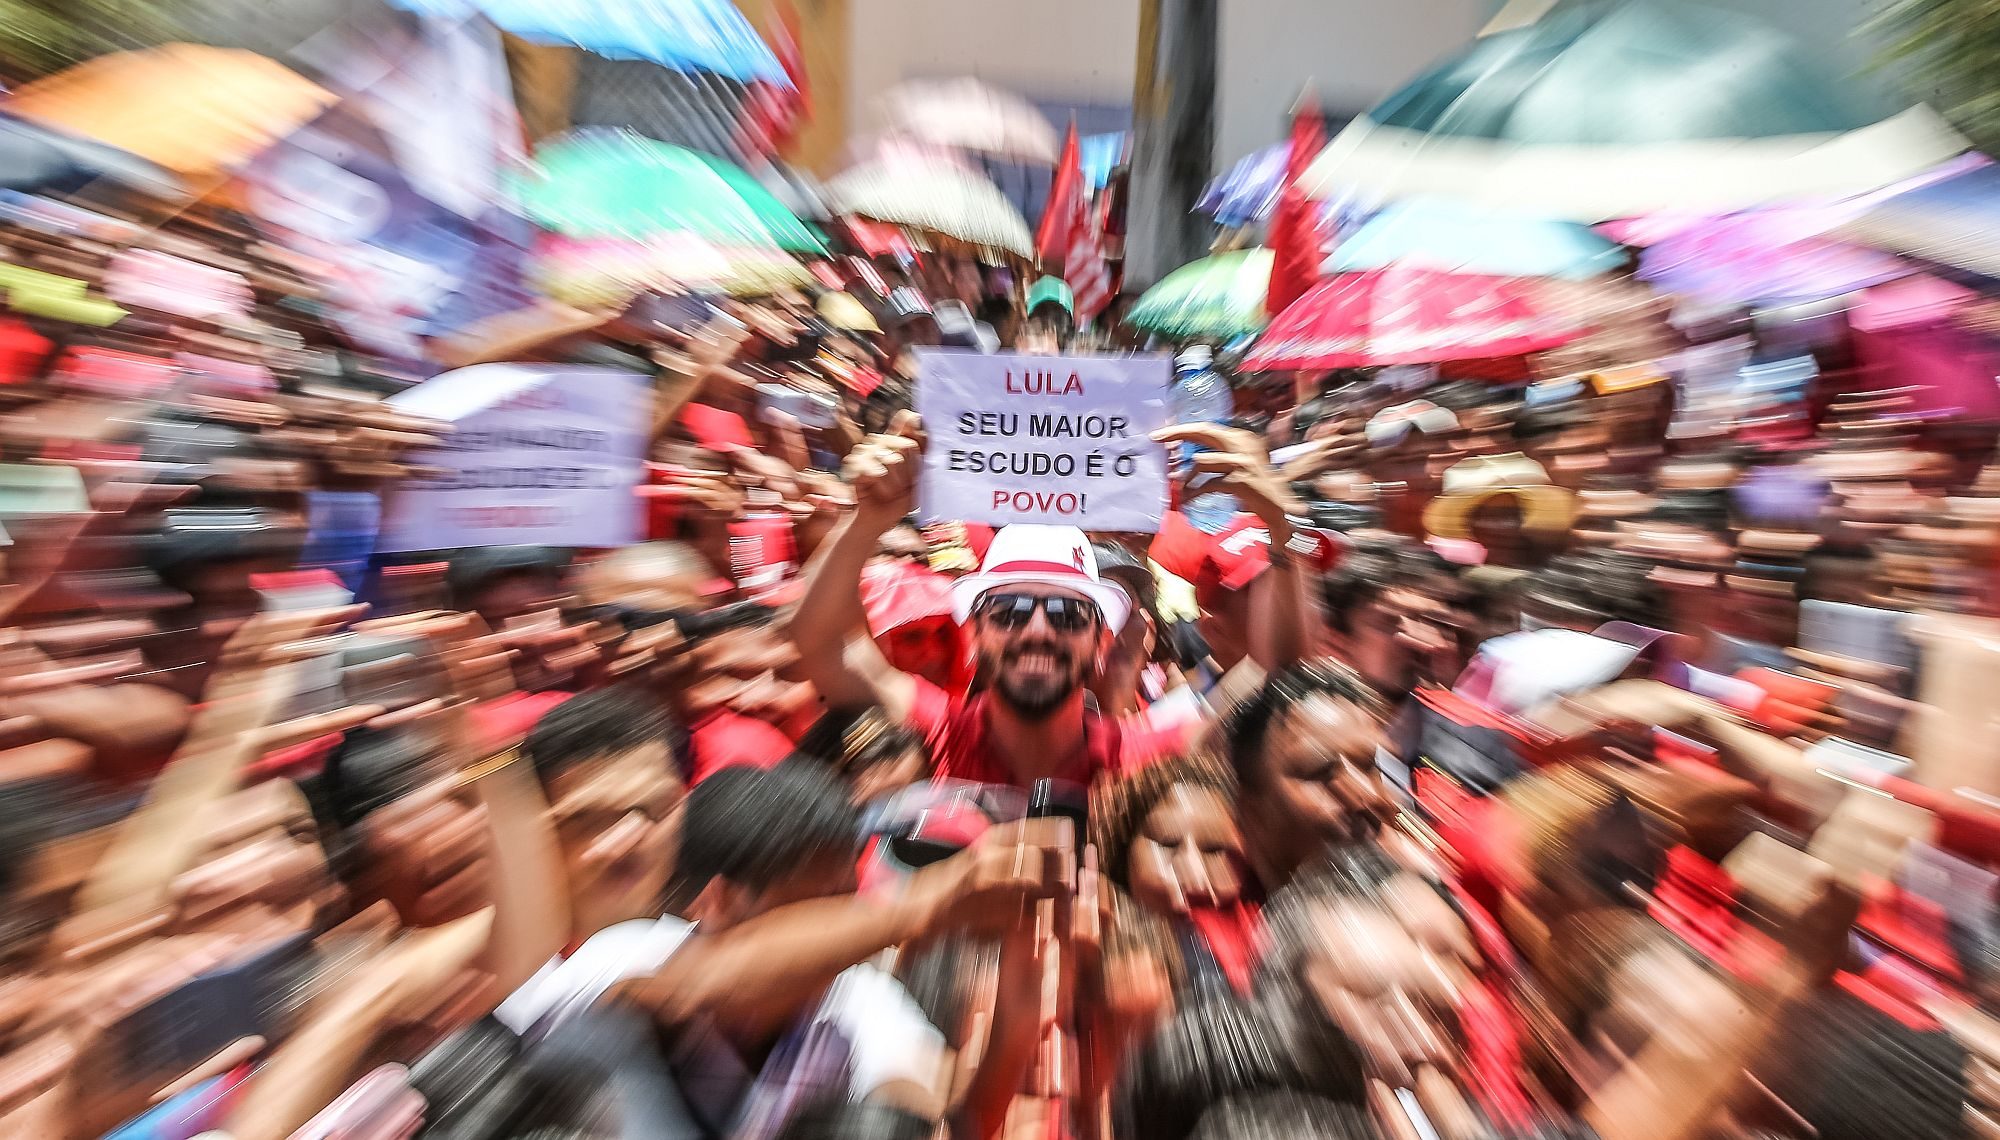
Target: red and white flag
pixel 1069 234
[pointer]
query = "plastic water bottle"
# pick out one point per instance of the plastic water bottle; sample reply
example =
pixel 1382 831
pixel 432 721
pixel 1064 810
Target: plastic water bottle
pixel 1201 396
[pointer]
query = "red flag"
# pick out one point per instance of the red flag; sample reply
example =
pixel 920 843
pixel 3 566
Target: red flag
pixel 1065 203
pixel 1296 252
pixel 1068 234
pixel 772 112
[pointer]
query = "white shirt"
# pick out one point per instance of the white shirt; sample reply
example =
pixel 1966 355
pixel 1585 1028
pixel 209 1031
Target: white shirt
pixel 567 986
pixel 889 1037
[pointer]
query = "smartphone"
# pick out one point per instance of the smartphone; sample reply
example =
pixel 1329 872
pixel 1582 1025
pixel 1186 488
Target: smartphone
pixel 1850 759
pixel 681 314
pixel 296 590
pixel 391 670
pixel 811 409
pixel 177 1031
pixel 1060 799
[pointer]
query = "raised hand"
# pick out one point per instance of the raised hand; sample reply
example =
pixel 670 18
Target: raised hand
pixel 1233 461
pixel 884 471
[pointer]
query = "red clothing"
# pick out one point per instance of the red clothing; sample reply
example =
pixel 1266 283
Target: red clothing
pixel 725 739
pixel 957 731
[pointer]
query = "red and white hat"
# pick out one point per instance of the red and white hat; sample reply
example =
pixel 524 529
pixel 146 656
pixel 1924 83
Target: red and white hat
pixel 1026 553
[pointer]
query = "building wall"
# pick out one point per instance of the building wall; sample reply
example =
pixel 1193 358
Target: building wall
pixel 1051 51
pixel 1352 52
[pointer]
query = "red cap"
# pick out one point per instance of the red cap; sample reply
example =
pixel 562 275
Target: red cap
pixel 716 429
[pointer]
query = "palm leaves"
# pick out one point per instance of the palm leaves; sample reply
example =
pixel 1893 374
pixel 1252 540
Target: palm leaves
pixel 1948 49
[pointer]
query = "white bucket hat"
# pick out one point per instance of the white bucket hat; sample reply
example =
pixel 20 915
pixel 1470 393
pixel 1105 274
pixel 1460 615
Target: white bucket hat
pixel 1027 553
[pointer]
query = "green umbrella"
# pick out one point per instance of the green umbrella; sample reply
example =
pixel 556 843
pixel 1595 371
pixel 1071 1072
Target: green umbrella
pixel 1220 297
pixel 616 184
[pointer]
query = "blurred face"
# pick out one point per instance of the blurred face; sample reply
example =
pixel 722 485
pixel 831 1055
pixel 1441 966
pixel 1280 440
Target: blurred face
pixel 1188 853
pixel 1038 644
pixel 263 873
pixel 926 649
pixel 1396 638
pixel 1319 785
pixel 888 777
pixel 615 825
pixel 426 855
pixel 1390 972
pixel 753 671
pixel 906 543
pixel 1496 525
pixel 515 595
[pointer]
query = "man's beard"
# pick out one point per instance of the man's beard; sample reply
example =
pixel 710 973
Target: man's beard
pixel 1036 698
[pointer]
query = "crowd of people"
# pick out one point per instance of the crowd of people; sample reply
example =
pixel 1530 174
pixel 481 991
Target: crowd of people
pixel 1521 760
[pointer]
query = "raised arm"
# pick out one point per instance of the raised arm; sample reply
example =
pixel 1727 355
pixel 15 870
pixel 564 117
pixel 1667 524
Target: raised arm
pixel 754 979
pixel 848 670
pixel 684 376
pixel 234 726
pixel 1234 462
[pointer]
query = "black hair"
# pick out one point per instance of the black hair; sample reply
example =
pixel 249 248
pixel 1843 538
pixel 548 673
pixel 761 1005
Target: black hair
pixel 1855 1073
pixel 1598 586
pixel 470 571
pixel 597 725
pixel 1536 425
pixel 1368 570
pixel 757 827
pixel 1706 510
pixel 843 1120
pixel 368 770
pixel 1249 724
pixel 851 741
pixel 1284 1115
pixel 1219 1048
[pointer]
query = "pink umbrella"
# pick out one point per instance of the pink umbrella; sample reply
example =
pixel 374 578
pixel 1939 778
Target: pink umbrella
pixel 1409 316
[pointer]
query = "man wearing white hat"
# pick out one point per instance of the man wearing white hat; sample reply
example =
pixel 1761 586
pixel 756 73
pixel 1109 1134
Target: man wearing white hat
pixel 1040 619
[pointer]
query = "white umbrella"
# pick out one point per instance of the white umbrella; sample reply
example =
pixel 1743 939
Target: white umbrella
pixel 969 115
pixel 941 197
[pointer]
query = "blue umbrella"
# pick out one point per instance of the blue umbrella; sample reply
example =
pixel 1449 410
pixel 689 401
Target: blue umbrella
pixel 1456 238
pixel 1249 191
pixel 685 35
pixel 1101 154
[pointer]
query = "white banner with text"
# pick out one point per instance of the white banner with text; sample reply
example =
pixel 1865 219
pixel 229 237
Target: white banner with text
pixel 1044 439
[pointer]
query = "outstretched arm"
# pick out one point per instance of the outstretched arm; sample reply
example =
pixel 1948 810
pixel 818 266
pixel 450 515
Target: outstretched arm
pixel 849 671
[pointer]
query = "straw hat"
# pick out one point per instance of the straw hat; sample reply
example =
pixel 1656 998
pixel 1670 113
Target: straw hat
pixel 1545 507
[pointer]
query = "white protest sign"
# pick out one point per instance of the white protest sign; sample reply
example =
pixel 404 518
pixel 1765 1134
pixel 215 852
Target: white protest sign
pixel 1044 439
pixel 539 455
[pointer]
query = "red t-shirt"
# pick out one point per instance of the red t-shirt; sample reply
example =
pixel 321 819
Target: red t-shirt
pixel 725 739
pixel 958 732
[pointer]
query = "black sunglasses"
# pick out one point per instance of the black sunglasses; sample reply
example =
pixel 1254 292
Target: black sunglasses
pixel 1014 611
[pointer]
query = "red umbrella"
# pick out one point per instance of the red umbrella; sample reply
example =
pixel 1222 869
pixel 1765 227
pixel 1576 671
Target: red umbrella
pixel 1408 316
